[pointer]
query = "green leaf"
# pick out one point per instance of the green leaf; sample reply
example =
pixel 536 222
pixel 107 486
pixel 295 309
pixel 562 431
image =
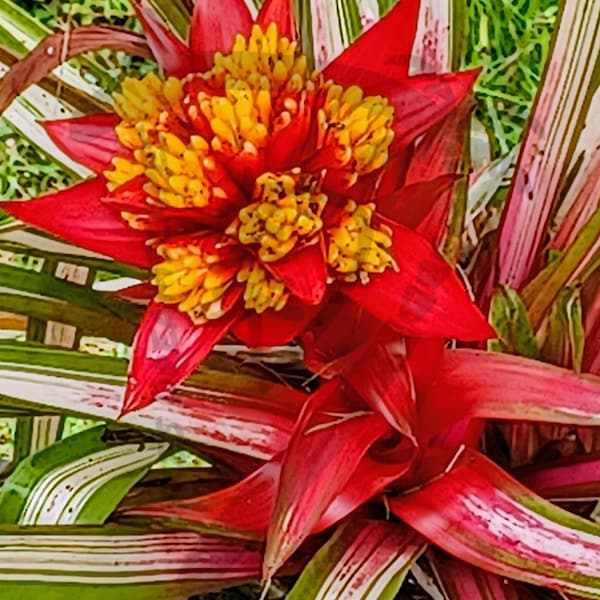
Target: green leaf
pixel 118 563
pixel 43 296
pixel 78 480
pixel 565 338
pixel 572 261
pixel 366 560
pixel 508 315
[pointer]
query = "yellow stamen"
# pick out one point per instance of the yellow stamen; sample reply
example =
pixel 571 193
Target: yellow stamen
pixel 262 291
pixel 184 137
pixel 357 249
pixel 140 104
pixel 192 279
pixel 360 128
pixel 124 171
pixel 281 216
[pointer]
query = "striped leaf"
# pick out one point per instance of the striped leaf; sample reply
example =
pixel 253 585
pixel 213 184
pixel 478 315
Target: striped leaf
pixel 230 411
pixel 478 513
pixel 547 158
pixel 79 480
pixel 364 560
pixel 120 565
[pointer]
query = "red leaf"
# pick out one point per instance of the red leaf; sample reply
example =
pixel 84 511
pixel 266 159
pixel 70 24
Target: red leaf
pixel 329 440
pixel 476 384
pixel 78 215
pixel 441 150
pixel 274 328
pixel 424 298
pixel 394 173
pixel 90 140
pixel 423 101
pixel 411 204
pixel 280 12
pixel 461 581
pixel 371 477
pixel 304 272
pixel 139 293
pixel 245 508
pixel 168 50
pixel 575 478
pixel 384 50
pixel 435 224
pixel 242 509
pixel 382 378
pixel 479 514
pixel 214 27
pixel 166 349
pixel 330 349
pixel 591 310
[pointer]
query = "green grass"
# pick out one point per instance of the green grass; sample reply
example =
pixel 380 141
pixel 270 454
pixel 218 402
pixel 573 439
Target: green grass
pixel 510 40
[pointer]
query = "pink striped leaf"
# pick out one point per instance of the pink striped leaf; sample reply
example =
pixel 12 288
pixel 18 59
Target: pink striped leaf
pixel 478 513
pixel 477 384
pixel 460 580
pixel 572 478
pixel 364 560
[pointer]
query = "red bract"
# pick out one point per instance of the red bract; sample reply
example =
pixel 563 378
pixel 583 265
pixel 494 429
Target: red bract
pixel 258 191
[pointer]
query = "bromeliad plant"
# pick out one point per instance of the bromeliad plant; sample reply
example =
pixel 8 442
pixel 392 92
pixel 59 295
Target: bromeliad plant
pixel 258 189
pixel 278 204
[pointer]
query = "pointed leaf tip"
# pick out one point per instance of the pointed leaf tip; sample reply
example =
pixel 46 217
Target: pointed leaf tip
pixel 383 51
pixel 280 12
pixel 78 215
pixel 330 439
pixel 168 50
pixel 478 513
pixel 214 27
pixel 90 140
pixel 167 348
pixel 424 298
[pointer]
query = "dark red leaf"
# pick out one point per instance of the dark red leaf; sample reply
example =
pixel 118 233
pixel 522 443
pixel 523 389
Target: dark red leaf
pixel 424 298
pixel 571 478
pixel 274 328
pixel 384 50
pixel 441 150
pixel 330 349
pixel 411 204
pixel 304 273
pixel 139 293
pixel 423 101
pixel 372 476
pixel 330 439
pixel 382 378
